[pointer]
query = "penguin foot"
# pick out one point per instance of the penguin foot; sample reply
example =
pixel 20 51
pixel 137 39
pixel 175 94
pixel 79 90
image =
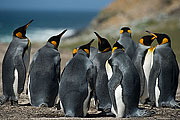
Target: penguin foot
pixel 172 104
pixel 141 113
pixel 14 103
pixel 3 99
pixel 43 105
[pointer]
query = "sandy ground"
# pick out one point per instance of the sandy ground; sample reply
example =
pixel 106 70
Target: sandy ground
pixel 28 112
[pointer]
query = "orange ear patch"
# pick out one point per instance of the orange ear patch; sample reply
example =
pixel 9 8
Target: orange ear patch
pixel 165 40
pixel 87 51
pixel 141 41
pixel 19 35
pixel 75 51
pixel 121 31
pixel 129 31
pixel 54 43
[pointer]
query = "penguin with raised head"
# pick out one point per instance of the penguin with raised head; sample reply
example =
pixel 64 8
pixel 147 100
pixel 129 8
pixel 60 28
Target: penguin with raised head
pixel 44 74
pixel 143 61
pixel 124 85
pixel 164 73
pixel 77 83
pixel 102 98
pixel 126 40
pixel 15 65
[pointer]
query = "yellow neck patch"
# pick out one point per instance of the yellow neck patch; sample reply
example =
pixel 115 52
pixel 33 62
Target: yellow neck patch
pixel 141 41
pixel 151 49
pixel 114 48
pixel 121 31
pixel 19 35
pixel 54 43
pixel 165 40
pixel 75 51
pixel 87 51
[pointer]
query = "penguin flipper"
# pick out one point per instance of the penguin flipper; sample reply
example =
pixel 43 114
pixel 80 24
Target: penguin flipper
pixel 58 64
pixel 154 74
pixel 20 66
pixel 113 83
pixel 91 76
pixel 138 62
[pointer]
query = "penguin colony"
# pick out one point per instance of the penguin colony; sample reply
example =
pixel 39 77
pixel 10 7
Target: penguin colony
pixel 119 78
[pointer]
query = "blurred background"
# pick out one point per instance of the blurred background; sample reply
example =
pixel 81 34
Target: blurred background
pixel 83 17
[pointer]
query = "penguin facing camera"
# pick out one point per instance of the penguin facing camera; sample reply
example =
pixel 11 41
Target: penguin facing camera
pixel 164 73
pixel 143 61
pixel 124 85
pixel 126 40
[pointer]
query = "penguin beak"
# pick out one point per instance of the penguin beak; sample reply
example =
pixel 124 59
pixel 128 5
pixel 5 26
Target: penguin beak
pixel 60 35
pixel 155 36
pixel 91 41
pixel 26 26
pixel 98 36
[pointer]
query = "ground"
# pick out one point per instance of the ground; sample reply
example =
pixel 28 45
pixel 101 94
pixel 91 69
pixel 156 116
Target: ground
pixel 29 112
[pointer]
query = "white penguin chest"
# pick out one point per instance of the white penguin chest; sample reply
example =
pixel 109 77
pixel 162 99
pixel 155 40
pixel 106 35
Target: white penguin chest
pixel 148 62
pixel 119 102
pixel 108 70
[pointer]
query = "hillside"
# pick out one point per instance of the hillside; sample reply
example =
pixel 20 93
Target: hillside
pixel 139 15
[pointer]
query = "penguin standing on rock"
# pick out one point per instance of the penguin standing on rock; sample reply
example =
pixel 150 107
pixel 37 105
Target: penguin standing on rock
pixel 102 95
pixel 15 65
pixel 143 61
pixel 124 85
pixel 164 73
pixel 126 40
pixel 77 83
pixel 44 74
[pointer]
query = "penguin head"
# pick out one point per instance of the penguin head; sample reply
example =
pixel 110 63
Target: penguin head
pixel 117 45
pixel 56 39
pixel 85 48
pixel 147 40
pixel 21 31
pixel 103 44
pixel 126 30
pixel 161 38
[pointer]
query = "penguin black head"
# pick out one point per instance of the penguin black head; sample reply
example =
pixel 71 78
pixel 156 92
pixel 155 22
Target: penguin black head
pixel 161 38
pixel 21 31
pixel 103 44
pixel 117 45
pixel 85 48
pixel 125 30
pixel 56 39
pixel 147 40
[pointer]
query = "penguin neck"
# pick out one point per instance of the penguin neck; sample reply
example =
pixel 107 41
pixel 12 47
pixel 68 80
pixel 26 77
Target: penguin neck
pixel 51 45
pixel 144 46
pixel 81 52
pixel 166 45
pixel 16 38
pixel 125 35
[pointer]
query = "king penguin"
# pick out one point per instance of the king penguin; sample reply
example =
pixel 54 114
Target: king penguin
pixel 164 73
pixel 102 98
pixel 126 40
pixel 77 83
pixel 143 61
pixel 124 85
pixel 44 74
pixel 15 65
